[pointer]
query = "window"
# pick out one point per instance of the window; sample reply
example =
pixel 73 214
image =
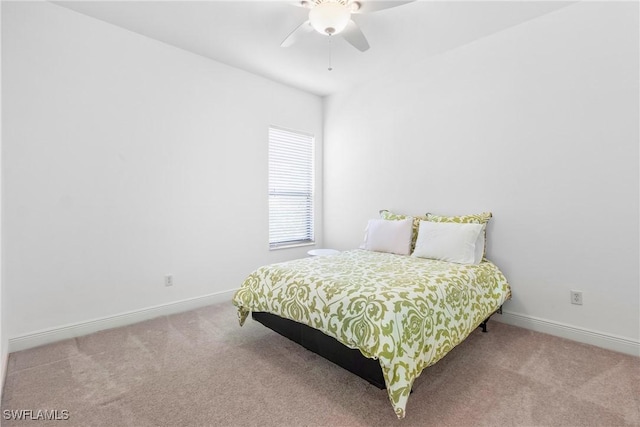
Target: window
pixel 290 188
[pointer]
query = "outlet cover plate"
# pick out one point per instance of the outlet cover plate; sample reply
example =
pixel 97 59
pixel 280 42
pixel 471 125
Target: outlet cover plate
pixel 576 297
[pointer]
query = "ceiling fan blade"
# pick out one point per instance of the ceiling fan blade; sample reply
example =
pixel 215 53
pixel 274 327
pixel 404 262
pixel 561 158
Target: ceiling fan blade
pixel 375 5
pixel 353 34
pixel 293 37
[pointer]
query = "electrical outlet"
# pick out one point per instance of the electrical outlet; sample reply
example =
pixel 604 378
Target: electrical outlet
pixel 168 280
pixel 576 297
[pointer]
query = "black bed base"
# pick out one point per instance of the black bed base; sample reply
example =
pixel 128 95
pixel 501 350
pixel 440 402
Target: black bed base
pixel 325 346
pixel 330 348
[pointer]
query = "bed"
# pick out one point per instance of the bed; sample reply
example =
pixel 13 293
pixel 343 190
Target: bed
pixel 403 313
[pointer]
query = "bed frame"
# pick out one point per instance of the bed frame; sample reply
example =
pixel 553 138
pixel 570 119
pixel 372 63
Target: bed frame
pixel 331 349
pixel 324 345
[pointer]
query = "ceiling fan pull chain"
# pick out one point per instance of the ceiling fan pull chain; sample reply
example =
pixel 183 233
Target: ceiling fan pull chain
pixel 330 67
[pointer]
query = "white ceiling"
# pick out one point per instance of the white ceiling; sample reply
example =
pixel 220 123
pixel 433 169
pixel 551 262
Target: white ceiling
pixel 247 34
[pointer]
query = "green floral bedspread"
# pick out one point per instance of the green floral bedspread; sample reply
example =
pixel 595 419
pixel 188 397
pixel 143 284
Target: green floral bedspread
pixel 406 312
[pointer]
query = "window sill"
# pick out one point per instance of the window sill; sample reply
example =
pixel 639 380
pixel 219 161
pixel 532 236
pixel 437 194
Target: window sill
pixel 291 246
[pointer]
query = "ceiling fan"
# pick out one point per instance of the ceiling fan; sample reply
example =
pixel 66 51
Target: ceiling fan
pixel 331 17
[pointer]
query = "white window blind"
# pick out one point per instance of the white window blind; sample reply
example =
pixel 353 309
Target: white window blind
pixel 290 188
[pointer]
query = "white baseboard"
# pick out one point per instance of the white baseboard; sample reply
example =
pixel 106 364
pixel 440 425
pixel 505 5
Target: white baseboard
pixel 48 336
pixel 35 339
pixel 599 339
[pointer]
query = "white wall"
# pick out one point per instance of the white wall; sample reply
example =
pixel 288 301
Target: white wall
pixel 538 124
pixel 3 324
pixel 126 159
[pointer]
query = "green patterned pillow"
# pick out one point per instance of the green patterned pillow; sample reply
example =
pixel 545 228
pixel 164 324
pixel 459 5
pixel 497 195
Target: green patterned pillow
pixel 482 218
pixel 385 214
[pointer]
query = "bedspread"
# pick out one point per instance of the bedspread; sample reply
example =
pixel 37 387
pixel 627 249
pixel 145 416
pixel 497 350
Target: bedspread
pixel 406 312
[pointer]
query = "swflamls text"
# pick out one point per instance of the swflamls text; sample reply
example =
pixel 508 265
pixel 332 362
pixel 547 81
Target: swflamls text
pixel 36 414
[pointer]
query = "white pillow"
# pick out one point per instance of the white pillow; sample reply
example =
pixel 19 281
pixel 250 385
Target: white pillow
pixel 448 241
pixel 477 256
pixel 393 236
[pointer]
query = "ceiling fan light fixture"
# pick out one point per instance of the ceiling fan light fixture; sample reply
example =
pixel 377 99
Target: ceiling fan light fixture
pixel 329 18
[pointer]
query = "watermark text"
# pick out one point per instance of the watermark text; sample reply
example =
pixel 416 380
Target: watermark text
pixel 35 414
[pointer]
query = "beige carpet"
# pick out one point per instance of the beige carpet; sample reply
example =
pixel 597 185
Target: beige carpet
pixel 200 368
